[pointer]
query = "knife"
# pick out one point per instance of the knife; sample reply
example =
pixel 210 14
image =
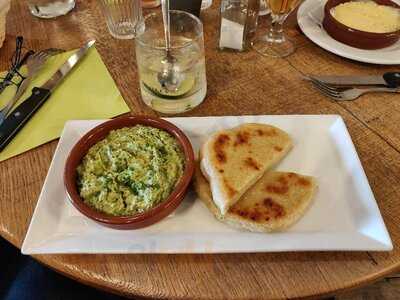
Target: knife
pixel 390 79
pixel 23 112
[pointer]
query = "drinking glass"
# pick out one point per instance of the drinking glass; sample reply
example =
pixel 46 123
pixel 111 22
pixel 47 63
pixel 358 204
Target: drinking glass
pixel 50 8
pixel 187 50
pixel 123 17
pixel 274 43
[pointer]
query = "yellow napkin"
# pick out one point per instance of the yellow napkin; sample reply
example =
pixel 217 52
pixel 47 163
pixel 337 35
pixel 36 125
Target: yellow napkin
pixel 88 92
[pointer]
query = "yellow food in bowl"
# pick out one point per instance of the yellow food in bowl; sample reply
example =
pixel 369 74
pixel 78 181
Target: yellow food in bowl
pixel 367 16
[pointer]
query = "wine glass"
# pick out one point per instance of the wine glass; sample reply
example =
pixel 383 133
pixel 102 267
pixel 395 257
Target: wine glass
pixel 274 43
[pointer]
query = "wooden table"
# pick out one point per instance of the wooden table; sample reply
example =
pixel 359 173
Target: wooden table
pixel 238 84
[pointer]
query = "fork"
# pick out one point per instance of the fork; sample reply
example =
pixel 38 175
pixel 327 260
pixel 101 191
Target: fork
pixel 346 93
pixel 34 65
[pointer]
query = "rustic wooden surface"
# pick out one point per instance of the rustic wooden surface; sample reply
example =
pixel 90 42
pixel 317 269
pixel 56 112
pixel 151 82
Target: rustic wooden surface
pixel 238 84
pixel 386 289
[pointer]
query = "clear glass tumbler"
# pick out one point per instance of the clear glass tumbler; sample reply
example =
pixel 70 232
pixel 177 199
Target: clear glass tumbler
pixel 123 17
pixel 275 43
pixel 187 50
pixel 50 8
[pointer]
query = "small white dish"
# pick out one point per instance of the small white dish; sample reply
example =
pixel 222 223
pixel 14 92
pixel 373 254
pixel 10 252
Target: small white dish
pixel 309 18
pixel 343 216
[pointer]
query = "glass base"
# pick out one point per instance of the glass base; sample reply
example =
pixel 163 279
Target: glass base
pixel 273 48
pixel 170 106
pixel 125 30
pixel 51 9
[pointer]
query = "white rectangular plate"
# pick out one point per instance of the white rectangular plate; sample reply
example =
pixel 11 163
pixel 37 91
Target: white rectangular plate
pixel 343 216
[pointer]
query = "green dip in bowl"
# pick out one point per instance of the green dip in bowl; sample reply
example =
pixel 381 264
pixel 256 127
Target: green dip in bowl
pixel 130 171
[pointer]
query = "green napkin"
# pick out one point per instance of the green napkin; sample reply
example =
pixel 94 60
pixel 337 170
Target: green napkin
pixel 88 92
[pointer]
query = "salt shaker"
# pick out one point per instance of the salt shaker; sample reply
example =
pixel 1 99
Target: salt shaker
pixel 238 23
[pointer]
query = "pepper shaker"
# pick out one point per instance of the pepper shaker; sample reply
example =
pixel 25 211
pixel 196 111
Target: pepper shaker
pixel 238 23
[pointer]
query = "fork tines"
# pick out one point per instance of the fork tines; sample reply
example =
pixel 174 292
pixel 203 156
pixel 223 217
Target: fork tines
pixel 328 90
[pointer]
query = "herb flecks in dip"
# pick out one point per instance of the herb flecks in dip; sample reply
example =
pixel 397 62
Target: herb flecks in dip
pixel 130 171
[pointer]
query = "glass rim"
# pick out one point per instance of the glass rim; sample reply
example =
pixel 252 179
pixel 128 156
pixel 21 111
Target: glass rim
pixel 193 17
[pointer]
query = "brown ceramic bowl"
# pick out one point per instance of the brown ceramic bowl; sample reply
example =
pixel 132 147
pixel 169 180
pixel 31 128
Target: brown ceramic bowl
pixel 357 38
pixel 141 219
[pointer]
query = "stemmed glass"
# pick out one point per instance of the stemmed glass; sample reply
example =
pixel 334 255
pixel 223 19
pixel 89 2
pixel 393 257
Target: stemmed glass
pixel 274 43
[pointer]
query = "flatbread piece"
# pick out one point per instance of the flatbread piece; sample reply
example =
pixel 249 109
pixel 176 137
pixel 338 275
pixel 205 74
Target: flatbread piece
pixel 233 160
pixel 274 203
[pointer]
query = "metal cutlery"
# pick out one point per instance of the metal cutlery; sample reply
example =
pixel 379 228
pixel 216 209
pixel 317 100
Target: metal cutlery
pixel 169 77
pixel 16 64
pixel 389 79
pixel 8 79
pixel 34 65
pixel 23 112
pixel 347 93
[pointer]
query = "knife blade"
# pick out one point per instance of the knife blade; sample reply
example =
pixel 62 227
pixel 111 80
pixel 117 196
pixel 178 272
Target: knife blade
pixel 390 79
pixel 22 113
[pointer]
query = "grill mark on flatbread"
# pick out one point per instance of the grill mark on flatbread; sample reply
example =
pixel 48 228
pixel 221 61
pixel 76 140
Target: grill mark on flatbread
pixel 277 189
pixel 303 182
pixel 300 181
pixel 255 215
pixel 231 191
pixel 220 143
pixel 260 132
pixel 271 132
pixel 252 163
pixel 281 187
pixel 277 148
pixel 276 210
pixel 242 138
pixel 242 213
pixel 266 210
pixel 283 180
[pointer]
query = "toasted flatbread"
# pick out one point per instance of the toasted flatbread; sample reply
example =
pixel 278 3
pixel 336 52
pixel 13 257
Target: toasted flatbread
pixel 274 203
pixel 233 160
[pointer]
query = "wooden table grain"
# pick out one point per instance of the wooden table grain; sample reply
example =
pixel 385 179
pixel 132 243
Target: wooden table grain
pixel 238 84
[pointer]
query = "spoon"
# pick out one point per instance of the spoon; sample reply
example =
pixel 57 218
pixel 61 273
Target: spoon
pixel 169 77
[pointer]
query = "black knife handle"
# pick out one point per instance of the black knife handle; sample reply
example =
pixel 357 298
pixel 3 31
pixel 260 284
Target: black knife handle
pixel 392 79
pixel 21 115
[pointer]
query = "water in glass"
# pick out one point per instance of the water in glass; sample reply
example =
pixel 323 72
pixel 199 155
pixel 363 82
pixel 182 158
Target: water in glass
pixel 188 52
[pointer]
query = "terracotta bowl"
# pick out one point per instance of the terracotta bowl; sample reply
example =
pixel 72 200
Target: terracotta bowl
pixel 141 219
pixel 357 38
